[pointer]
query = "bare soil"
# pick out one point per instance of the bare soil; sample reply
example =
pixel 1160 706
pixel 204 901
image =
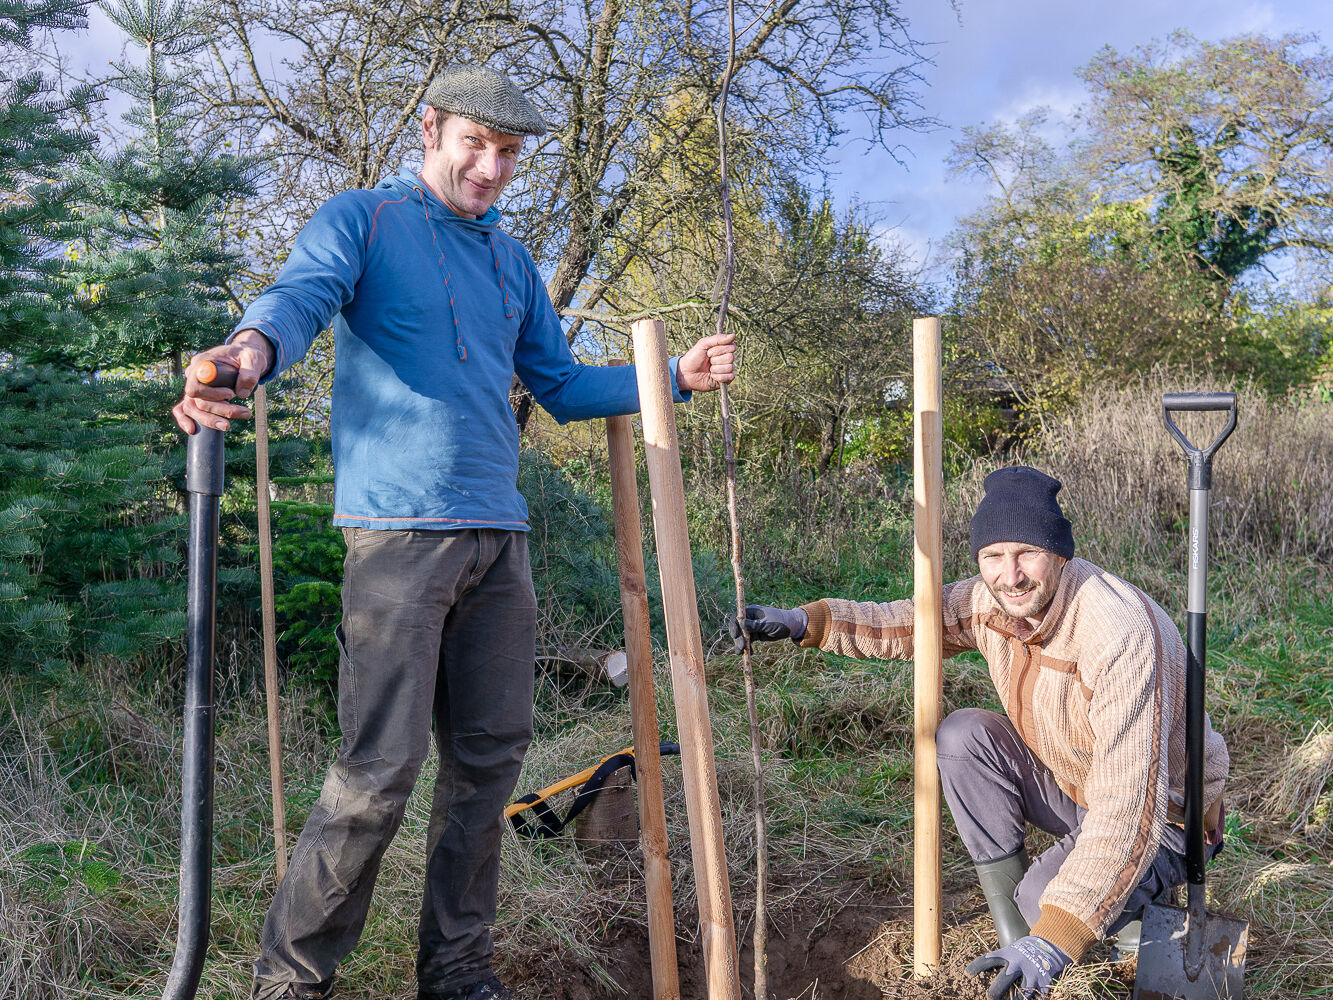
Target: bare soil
pixel 856 952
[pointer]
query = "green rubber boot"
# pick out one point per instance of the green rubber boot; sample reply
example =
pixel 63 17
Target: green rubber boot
pixel 999 880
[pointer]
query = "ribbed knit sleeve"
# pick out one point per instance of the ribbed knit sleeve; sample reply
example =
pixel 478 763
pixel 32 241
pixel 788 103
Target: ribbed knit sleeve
pixel 868 630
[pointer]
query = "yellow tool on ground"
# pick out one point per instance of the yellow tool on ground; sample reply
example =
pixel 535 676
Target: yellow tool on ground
pixel 548 823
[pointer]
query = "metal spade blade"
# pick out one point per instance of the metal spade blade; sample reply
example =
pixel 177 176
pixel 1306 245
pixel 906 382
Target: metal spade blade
pixel 1167 970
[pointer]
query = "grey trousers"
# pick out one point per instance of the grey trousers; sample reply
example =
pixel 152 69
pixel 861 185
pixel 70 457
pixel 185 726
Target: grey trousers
pixel 995 785
pixel 438 627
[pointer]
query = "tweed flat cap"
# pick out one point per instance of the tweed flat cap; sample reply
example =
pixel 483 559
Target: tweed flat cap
pixel 485 96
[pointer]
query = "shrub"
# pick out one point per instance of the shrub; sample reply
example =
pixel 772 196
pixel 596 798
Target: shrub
pixel 307 569
pixel 90 534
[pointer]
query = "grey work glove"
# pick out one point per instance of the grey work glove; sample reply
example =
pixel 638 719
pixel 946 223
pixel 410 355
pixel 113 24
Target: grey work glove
pixel 1028 967
pixel 765 624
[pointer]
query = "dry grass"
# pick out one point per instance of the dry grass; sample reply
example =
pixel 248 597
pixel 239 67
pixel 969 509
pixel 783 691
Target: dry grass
pixel 1304 787
pixel 89 778
pixel 89 836
pixel 1126 488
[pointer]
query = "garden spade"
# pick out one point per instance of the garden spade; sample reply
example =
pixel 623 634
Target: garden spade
pixel 1189 953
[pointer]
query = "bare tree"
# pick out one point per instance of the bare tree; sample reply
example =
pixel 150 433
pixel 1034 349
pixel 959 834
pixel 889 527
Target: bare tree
pixel 331 90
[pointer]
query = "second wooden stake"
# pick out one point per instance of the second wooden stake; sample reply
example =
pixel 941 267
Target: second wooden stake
pixel 685 646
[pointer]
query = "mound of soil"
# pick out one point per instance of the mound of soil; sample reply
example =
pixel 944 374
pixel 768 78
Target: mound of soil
pixel 859 952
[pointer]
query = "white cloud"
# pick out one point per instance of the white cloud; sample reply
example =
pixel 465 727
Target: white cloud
pixel 1253 18
pixel 1063 99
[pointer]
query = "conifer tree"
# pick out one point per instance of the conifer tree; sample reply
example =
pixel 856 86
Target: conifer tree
pixel 39 136
pixel 155 264
pixel 89 535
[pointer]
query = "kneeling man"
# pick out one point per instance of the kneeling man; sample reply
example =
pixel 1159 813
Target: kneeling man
pixel 1091 744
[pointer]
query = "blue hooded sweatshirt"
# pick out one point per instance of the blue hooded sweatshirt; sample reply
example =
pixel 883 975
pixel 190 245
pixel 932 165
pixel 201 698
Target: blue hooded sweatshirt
pixel 432 314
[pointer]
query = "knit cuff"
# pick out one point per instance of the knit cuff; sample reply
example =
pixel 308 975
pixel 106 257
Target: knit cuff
pixel 820 619
pixel 1064 930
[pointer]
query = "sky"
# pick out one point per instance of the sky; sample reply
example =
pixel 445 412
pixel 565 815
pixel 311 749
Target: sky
pixel 990 61
pixel 994 61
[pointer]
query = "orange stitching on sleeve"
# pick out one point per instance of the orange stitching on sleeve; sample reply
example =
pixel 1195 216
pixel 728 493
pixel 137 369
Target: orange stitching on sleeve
pixel 375 219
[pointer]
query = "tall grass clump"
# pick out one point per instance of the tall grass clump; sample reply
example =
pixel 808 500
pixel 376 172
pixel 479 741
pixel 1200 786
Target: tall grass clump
pixel 805 533
pixel 90 833
pixel 1125 486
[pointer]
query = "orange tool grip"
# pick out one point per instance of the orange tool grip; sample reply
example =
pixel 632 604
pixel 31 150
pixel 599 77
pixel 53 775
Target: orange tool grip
pixel 216 373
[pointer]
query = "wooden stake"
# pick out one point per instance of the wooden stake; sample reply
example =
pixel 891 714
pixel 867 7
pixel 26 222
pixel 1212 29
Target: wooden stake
pixel 927 638
pixel 643 707
pixel 269 624
pixel 685 645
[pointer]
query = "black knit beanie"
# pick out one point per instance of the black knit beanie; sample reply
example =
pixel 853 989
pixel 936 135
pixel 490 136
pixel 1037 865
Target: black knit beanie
pixel 1020 506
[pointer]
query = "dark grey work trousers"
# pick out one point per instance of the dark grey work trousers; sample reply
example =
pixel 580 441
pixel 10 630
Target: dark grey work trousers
pixel 438 626
pixel 995 785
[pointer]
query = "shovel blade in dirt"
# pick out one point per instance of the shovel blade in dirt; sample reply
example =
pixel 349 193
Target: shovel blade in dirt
pixel 1168 971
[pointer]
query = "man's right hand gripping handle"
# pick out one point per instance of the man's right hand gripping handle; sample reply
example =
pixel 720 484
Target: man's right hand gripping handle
pixel 765 624
pixel 251 354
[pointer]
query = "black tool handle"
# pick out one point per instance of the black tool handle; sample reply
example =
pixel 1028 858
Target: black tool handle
pixel 1200 459
pixel 198 755
pixel 1196 617
pixel 1198 400
pixel 204 475
pixel 219 374
pixel 204 462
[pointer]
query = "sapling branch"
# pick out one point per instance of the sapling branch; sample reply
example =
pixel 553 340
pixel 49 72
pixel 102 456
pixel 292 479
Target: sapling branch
pixel 726 278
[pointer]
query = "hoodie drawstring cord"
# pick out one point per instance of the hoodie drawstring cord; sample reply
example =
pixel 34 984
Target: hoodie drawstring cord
pixel 444 271
pixel 495 256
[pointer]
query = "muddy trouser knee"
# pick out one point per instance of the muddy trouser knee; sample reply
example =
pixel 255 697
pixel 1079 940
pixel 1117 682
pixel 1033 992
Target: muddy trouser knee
pixel 400 591
pixel 995 786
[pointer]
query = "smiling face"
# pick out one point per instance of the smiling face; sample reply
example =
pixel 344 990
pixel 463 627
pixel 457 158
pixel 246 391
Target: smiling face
pixel 1021 577
pixel 467 164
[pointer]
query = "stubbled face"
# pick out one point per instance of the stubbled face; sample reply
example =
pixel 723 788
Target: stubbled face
pixel 1021 577
pixel 467 164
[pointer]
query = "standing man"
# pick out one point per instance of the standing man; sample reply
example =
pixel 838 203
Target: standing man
pixel 434 309
pixel 1091 744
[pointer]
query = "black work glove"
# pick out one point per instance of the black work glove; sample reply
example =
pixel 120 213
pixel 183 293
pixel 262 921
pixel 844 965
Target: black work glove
pixel 765 624
pixel 1028 967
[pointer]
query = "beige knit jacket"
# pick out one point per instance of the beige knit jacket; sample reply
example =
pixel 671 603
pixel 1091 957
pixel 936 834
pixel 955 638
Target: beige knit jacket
pixel 1097 691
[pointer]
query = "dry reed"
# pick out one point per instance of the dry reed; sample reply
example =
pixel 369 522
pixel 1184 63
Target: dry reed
pixel 1125 480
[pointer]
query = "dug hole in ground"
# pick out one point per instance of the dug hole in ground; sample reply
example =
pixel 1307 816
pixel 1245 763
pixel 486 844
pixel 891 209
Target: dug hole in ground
pixel 821 945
